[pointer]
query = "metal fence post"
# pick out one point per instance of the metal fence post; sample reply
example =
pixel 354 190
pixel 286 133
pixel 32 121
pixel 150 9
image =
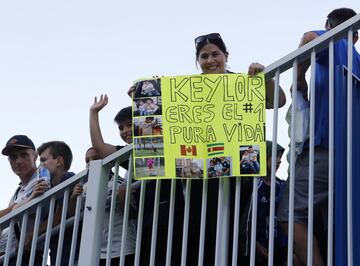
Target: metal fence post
pixel 93 214
pixel 222 231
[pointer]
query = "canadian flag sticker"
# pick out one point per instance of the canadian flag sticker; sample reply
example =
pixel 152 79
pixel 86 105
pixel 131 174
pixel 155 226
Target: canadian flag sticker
pixel 188 150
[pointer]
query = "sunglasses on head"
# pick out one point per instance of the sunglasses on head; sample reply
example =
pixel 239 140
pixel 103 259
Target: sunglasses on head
pixel 204 38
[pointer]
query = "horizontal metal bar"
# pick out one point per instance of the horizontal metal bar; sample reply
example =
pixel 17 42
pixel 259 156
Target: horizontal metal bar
pixel 319 43
pixel 54 191
pixel 121 155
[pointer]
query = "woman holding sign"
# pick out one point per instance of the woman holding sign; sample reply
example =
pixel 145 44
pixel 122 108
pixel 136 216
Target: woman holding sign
pixel 212 55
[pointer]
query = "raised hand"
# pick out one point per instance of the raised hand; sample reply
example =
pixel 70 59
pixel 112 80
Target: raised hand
pixel 255 68
pixel 99 104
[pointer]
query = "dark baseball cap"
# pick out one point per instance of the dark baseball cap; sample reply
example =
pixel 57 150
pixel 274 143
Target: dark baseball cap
pixel 18 141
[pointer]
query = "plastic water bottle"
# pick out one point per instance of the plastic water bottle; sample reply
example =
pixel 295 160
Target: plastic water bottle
pixel 44 175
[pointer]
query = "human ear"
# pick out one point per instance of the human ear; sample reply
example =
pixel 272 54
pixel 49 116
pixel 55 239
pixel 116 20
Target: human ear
pixel 355 38
pixel 226 56
pixel 59 160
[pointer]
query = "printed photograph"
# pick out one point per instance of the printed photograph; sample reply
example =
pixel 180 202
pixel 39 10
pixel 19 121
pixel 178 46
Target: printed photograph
pixel 148 126
pixel 249 160
pixel 151 146
pixel 219 166
pixel 148 167
pixel 189 168
pixel 147 88
pixel 147 106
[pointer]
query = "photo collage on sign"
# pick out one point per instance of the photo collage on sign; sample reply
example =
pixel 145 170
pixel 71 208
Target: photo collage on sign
pixel 148 129
pixel 217 164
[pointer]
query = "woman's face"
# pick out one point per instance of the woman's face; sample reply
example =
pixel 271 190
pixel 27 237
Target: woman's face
pixel 212 60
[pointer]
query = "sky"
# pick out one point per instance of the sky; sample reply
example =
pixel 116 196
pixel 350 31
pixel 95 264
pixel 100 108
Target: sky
pixel 56 56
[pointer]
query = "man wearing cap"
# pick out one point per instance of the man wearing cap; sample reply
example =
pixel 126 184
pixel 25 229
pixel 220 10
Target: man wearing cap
pixel 22 158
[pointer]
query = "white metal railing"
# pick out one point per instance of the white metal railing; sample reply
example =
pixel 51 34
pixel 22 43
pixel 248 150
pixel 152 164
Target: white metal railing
pixel 309 51
pixel 227 231
pixel 43 208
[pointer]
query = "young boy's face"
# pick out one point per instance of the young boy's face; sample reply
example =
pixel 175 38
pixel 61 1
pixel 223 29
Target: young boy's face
pixel 48 161
pixel 126 132
pixel 91 155
pixel 278 161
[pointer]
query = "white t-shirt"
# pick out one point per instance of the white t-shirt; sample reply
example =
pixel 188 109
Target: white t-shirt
pixel 21 194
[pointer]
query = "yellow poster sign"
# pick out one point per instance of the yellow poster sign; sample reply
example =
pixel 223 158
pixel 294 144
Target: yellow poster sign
pixel 199 126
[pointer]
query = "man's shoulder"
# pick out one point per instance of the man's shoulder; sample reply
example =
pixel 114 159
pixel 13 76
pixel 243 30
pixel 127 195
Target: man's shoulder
pixel 311 35
pixel 22 192
pixel 15 195
pixel 318 32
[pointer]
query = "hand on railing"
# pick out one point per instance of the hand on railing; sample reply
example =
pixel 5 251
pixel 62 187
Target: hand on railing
pixel 78 190
pixel 40 188
pixel 255 68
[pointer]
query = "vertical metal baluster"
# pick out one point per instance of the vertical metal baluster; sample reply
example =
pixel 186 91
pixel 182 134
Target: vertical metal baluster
pixel 62 227
pixel 186 223
pixel 35 235
pixel 254 221
pixel 310 234
pixel 222 230
pixel 331 156
pixel 22 239
pixel 349 151
pixel 292 169
pixel 273 170
pixel 203 222
pixel 155 222
pixel 114 190
pixel 236 221
pixel 9 243
pixel 171 223
pixel 140 223
pixel 48 231
pixel 126 210
pixel 75 230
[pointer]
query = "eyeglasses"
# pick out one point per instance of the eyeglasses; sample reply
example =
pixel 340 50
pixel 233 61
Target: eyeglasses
pixel 203 38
